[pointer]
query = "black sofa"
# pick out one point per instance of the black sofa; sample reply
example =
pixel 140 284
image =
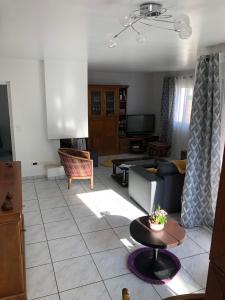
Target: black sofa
pixel 150 190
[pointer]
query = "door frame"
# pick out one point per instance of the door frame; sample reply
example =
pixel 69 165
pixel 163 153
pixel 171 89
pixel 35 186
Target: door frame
pixel 7 83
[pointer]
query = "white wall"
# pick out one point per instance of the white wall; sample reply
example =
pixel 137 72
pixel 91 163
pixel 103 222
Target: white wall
pixel 144 93
pixel 29 115
pixel 66 98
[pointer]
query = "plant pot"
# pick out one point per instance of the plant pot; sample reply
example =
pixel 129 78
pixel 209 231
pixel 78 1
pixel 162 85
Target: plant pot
pixel 156 227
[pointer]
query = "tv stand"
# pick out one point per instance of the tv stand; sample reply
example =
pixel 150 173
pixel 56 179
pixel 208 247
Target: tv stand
pixel 136 144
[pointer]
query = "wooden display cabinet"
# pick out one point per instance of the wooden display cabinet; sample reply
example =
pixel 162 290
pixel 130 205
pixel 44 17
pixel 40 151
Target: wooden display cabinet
pixel 104 111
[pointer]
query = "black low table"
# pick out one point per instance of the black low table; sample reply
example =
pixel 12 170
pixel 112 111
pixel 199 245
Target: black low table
pixel 155 264
pixel 123 165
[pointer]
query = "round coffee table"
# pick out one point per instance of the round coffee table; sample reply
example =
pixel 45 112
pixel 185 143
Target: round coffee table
pixel 155 264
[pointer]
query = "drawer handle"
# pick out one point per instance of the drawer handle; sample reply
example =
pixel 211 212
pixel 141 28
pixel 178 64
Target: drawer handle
pixel 7 204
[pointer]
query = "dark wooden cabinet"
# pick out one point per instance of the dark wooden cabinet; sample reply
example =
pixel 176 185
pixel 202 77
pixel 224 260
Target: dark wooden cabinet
pixel 216 277
pixel 12 258
pixel 104 117
pixel 215 284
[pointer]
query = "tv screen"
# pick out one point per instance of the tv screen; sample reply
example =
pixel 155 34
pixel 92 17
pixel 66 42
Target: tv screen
pixel 140 124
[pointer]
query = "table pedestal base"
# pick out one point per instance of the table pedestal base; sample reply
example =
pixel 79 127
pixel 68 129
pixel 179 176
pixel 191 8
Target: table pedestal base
pixel 153 265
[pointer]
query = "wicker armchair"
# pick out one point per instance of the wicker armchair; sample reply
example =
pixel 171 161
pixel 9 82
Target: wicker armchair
pixel 77 164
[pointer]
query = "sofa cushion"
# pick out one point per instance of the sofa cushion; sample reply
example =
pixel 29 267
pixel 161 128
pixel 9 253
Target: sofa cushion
pixel 180 165
pixel 152 170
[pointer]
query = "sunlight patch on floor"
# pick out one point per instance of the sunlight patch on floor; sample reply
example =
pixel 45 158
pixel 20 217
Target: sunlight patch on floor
pixel 109 202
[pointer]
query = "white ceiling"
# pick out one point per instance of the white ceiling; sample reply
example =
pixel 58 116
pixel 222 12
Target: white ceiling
pixel 76 29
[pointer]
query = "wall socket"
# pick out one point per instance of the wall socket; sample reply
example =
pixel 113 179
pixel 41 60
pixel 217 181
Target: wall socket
pixel 35 163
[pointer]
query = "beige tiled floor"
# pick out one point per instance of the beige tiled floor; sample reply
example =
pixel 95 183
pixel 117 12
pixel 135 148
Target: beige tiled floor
pixel 78 241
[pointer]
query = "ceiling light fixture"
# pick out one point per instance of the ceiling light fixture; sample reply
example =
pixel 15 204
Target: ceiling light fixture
pixel 153 15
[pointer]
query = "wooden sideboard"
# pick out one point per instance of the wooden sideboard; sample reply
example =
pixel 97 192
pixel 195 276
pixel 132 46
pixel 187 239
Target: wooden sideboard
pixel 12 258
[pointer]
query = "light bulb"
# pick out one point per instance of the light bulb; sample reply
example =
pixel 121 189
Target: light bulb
pixel 141 38
pixel 112 43
pixel 181 22
pixel 126 21
pixel 185 33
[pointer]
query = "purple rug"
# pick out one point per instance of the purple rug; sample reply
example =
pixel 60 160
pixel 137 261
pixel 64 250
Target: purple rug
pixel 165 258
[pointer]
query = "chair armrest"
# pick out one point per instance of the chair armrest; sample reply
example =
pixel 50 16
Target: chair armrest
pixel 75 152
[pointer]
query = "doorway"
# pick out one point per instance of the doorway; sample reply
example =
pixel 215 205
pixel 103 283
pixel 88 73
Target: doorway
pixel 6 153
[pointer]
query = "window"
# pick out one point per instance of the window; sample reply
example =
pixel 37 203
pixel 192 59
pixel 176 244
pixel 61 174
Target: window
pixel 182 114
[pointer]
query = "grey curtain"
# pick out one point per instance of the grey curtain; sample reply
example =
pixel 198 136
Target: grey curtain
pixel 167 108
pixel 203 158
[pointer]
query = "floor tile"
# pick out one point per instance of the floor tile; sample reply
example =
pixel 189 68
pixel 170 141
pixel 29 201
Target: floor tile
pixel 29 192
pixel 181 284
pixel 68 247
pixel 202 237
pixel 46 185
pixel 54 202
pixel 73 199
pixel 91 223
pixel 197 267
pixel 40 282
pixel 138 289
pixel 56 214
pixel 76 188
pixel 37 254
pixel 28 179
pixel 112 263
pixel 51 297
pixel 187 249
pixel 72 273
pixel 30 206
pixel 102 240
pixel 35 234
pixel 98 186
pixel 32 218
pixel 117 220
pixel 49 194
pixel 61 229
pixel 124 235
pixel 41 178
pixel 95 291
pixel 200 292
pixel 82 210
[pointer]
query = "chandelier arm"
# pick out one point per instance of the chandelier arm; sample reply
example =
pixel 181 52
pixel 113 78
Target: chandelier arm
pixel 121 31
pixel 161 20
pixel 124 29
pixel 160 27
pixel 134 29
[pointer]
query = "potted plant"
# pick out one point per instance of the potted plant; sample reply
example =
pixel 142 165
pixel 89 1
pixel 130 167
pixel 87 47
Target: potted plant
pixel 158 219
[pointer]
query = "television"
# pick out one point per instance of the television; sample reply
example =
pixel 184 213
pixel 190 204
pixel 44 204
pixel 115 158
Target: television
pixel 140 124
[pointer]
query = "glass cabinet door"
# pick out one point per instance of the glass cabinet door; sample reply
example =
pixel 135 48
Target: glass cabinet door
pixel 96 104
pixel 110 102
